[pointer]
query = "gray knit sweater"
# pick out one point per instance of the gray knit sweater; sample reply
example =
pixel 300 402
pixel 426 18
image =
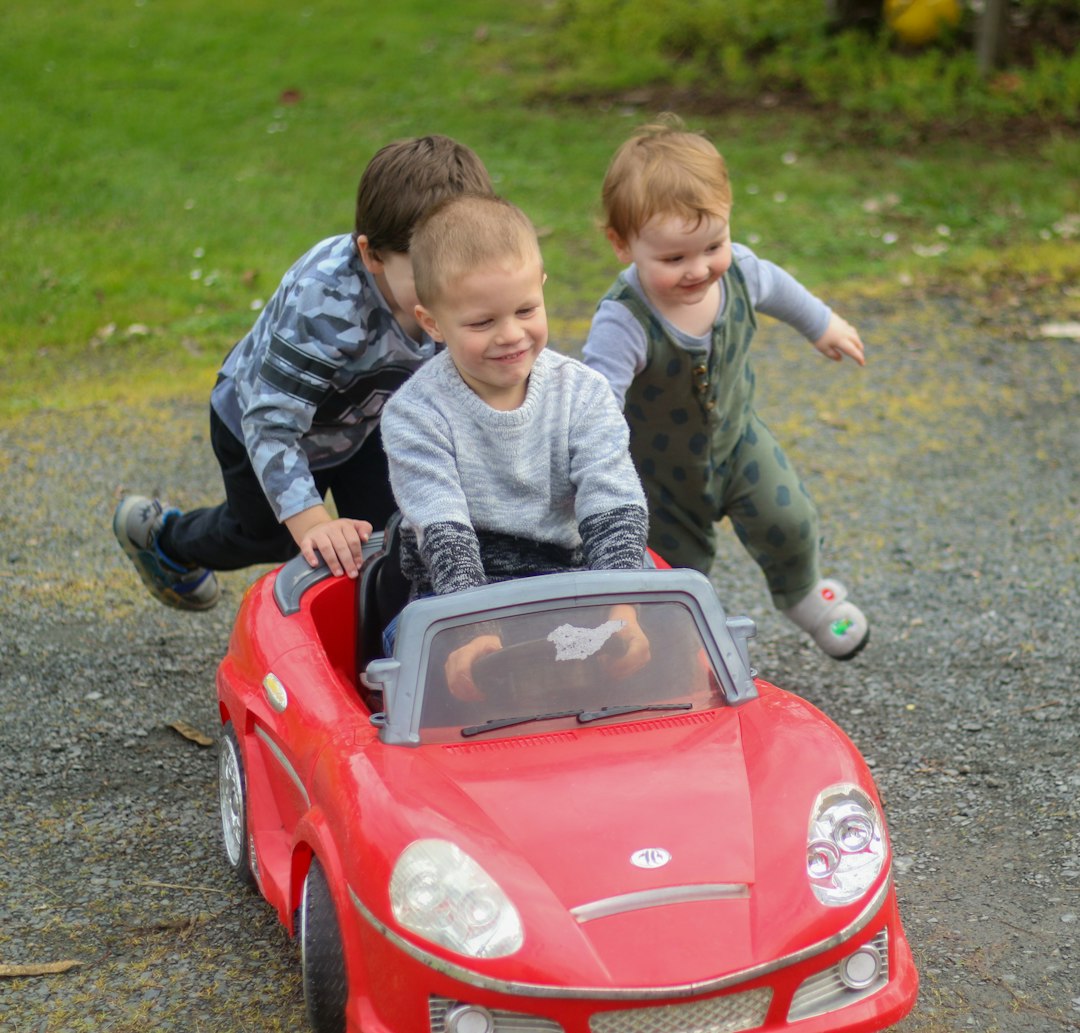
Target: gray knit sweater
pixel 486 494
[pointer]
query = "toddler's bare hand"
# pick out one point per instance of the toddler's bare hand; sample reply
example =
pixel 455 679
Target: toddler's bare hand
pixel 840 339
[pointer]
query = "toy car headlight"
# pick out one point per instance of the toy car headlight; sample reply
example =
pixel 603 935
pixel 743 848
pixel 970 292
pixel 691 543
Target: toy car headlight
pixel 845 848
pixel 442 894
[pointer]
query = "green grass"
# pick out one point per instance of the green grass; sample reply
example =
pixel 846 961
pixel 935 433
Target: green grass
pixel 164 162
pixel 725 51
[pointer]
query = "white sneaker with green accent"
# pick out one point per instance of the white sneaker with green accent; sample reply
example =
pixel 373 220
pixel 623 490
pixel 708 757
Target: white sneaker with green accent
pixel 137 523
pixel 838 627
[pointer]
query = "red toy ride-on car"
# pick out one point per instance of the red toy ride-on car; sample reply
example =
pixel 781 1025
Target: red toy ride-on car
pixel 581 844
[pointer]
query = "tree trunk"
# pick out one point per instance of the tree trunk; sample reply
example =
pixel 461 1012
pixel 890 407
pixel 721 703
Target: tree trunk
pixel 990 36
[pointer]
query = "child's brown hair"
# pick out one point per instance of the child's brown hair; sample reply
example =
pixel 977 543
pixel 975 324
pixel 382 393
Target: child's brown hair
pixel 663 169
pixel 406 178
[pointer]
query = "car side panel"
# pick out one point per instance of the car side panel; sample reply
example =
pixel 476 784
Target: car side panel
pixel 288 700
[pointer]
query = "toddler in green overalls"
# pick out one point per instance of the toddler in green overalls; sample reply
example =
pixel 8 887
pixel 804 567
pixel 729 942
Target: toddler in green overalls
pixel 672 336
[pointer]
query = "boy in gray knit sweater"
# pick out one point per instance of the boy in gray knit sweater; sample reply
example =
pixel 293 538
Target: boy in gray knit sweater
pixel 505 459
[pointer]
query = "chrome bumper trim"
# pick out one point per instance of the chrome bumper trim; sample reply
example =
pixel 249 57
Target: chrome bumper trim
pixel 658 898
pixel 464 974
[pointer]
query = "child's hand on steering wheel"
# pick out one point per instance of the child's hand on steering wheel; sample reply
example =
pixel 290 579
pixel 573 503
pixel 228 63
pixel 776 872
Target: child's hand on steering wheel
pixel 459 663
pixel 637 652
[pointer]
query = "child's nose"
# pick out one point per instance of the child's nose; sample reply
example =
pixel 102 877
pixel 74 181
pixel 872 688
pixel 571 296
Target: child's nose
pixel 508 331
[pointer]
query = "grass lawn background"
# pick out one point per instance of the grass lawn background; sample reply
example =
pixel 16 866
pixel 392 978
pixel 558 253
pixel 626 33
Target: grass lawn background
pixel 164 162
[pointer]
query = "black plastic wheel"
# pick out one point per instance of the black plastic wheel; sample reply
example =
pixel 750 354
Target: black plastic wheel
pixel 322 959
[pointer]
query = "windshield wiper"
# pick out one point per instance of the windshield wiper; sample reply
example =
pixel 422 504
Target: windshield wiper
pixel 585 716
pixel 507 722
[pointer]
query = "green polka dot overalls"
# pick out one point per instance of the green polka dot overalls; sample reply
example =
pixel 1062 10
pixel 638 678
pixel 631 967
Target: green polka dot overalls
pixel 703 453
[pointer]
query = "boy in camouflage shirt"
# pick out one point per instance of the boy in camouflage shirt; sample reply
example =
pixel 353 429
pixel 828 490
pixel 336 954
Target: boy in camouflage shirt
pixel 295 411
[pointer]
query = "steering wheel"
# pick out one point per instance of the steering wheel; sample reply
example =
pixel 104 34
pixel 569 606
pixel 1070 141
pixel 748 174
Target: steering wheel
pixel 528 668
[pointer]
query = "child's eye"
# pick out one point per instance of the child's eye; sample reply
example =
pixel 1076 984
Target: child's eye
pixel 528 312
pixel 480 324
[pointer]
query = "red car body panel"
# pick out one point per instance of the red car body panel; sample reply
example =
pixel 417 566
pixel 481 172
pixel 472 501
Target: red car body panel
pixel 552 813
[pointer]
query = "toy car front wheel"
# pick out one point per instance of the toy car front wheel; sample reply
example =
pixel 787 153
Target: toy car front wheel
pixel 322 960
pixel 232 798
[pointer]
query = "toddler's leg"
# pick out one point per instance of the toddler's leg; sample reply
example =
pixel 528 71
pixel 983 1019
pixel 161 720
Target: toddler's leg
pixel 683 536
pixel 772 514
pixel 777 522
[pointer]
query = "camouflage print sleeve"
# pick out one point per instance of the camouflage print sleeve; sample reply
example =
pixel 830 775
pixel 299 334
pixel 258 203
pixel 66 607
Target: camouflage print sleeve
pixel 295 377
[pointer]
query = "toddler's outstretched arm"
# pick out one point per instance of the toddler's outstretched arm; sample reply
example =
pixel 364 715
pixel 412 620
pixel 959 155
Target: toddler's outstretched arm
pixel 840 339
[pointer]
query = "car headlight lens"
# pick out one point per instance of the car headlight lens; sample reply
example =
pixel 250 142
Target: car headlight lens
pixel 845 849
pixel 442 894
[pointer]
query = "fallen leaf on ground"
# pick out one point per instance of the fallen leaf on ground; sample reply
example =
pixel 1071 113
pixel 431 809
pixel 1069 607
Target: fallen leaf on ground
pixel 49 968
pixel 189 731
pixel 173 925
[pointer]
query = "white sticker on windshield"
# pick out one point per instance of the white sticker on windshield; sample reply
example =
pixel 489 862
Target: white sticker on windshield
pixel 580 643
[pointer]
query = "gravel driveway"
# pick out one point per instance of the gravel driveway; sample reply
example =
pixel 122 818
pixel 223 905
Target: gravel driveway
pixel 947 476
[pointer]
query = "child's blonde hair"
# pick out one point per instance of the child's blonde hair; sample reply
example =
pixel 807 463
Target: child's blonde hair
pixel 663 169
pixel 462 234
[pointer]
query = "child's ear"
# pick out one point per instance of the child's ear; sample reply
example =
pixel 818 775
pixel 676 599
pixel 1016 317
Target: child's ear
pixel 427 323
pixel 368 255
pixel 622 249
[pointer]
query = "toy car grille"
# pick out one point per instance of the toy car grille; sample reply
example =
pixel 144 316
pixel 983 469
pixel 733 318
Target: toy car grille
pixel 716 1015
pixel 826 991
pixel 503 1021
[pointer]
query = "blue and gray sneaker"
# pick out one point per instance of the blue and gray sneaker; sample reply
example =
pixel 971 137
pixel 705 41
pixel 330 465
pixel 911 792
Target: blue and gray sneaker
pixel 137 523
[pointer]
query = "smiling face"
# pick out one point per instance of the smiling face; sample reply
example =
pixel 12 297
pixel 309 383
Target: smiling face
pixel 679 262
pixel 494 325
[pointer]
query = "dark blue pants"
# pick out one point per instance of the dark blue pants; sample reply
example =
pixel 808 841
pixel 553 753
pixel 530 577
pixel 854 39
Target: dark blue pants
pixel 243 531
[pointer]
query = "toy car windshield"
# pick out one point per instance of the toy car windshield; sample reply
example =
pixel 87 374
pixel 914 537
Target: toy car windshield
pixel 568 664
pixel 561 651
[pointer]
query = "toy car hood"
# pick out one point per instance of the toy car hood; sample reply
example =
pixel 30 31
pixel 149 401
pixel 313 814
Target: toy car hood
pixel 645 902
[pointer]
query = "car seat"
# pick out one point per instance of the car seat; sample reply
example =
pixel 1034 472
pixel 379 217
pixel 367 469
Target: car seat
pixel 382 592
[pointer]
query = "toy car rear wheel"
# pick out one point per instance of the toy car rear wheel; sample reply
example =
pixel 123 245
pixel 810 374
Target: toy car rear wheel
pixel 322 959
pixel 232 799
